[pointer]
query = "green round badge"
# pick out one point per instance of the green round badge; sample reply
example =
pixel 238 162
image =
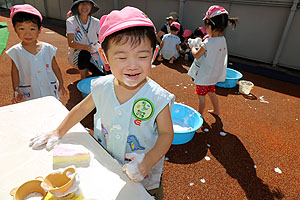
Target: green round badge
pixel 142 109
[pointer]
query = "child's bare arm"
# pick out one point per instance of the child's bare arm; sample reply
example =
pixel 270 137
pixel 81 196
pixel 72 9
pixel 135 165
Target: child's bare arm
pixel 58 75
pixel 17 96
pixel 159 35
pixel 197 53
pixel 77 113
pixel 178 47
pixel 163 143
pixel 161 44
pixel 75 45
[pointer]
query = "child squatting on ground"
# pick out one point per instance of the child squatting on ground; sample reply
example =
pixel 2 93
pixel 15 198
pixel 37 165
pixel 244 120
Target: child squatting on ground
pixel 35 72
pixel 170 44
pixel 210 63
pixel 133 119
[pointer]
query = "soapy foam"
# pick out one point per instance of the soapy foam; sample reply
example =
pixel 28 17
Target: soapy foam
pixel 34 196
pixel 179 125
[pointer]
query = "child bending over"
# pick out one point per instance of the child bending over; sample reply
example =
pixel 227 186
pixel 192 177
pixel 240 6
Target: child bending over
pixel 170 44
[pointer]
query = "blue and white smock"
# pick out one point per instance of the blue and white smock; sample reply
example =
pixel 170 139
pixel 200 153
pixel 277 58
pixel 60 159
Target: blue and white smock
pixel 131 126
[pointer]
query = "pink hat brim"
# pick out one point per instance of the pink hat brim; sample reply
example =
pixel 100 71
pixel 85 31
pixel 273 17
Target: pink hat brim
pixel 26 8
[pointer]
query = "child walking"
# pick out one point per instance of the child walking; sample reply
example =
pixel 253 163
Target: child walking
pixel 35 72
pixel 170 44
pixel 210 63
pixel 133 119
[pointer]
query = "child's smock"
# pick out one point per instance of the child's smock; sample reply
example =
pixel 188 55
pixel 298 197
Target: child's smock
pixel 131 126
pixel 169 48
pixel 210 68
pixel 37 78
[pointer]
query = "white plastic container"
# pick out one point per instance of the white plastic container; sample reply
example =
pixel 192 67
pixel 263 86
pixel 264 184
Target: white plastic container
pixel 245 87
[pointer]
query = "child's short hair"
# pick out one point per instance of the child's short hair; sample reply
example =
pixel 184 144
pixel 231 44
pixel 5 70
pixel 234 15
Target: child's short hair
pixel 23 17
pixel 220 22
pixel 198 32
pixel 217 17
pixel 173 28
pixel 133 34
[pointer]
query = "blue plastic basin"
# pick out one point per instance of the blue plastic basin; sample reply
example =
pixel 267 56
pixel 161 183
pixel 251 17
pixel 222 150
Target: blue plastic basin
pixel 185 116
pixel 84 86
pixel 232 77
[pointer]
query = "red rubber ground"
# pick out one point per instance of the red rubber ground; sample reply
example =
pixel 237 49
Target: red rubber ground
pixel 261 137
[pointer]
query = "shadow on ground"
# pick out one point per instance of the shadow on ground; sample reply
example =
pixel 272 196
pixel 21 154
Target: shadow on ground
pixel 75 98
pixel 271 79
pixel 58 26
pixel 177 65
pixel 230 153
pixel 234 91
pixel 234 157
pixel 185 153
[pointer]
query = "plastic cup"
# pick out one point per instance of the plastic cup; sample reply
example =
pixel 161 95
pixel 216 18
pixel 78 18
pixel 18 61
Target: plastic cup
pixel 245 87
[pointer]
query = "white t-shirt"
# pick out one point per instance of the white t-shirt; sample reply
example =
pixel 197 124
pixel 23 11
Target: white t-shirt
pixel 74 27
pixel 169 48
pixel 211 67
pixel 131 126
pixel 37 78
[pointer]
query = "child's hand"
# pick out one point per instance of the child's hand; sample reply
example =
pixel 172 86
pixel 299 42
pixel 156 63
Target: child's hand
pixel 194 42
pixel 48 139
pixel 95 47
pixel 135 169
pixel 18 97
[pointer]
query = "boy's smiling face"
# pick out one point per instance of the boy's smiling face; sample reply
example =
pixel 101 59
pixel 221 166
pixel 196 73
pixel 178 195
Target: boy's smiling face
pixel 27 31
pixel 130 64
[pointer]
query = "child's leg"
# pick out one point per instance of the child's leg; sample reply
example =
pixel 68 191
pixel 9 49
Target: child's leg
pixel 83 63
pixel 84 73
pixel 214 100
pixel 201 91
pixel 172 60
pixel 158 193
pixel 201 104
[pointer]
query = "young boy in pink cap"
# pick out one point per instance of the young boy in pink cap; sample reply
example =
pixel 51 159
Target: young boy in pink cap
pixel 35 72
pixel 210 63
pixel 133 119
pixel 170 44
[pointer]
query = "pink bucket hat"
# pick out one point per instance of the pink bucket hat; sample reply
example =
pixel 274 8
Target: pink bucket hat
pixel 214 11
pixel 118 20
pixel 26 8
pixel 176 25
pixel 187 33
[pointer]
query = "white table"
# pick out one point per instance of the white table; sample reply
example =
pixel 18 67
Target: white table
pixel 102 180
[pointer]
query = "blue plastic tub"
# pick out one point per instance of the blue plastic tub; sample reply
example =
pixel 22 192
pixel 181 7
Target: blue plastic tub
pixel 84 86
pixel 185 117
pixel 232 77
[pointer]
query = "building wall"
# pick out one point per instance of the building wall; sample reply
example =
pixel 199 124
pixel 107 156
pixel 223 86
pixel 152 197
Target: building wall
pixel 258 36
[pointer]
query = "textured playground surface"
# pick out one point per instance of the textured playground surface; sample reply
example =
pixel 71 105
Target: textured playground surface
pixel 255 157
